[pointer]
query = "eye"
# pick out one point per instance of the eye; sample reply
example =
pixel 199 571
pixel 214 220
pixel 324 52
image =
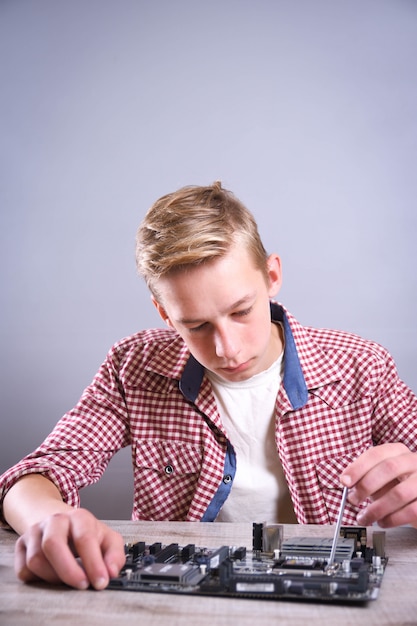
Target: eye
pixel 243 313
pixel 196 329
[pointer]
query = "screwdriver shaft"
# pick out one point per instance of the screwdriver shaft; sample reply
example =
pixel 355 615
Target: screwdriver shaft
pixel 338 525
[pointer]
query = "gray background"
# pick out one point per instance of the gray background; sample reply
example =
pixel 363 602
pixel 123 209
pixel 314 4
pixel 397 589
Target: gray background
pixel 306 109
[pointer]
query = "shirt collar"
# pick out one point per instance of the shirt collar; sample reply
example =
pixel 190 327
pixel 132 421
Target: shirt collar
pixel 293 381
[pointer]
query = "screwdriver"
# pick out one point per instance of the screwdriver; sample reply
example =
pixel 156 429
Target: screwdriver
pixel 337 529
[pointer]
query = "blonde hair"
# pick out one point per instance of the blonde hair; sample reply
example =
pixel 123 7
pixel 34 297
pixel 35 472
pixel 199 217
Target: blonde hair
pixel 192 226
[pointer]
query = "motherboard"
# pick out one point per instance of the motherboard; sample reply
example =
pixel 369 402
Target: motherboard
pixel 273 568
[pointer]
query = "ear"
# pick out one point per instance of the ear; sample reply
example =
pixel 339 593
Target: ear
pixel 164 315
pixel 273 265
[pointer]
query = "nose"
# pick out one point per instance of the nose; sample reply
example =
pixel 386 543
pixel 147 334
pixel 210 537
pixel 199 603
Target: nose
pixel 225 343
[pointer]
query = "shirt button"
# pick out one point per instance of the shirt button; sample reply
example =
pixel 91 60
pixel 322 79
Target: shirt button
pixel 168 469
pixel 227 479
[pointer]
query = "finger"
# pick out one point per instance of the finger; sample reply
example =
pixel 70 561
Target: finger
pixel 91 556
pixel 401 517
pixel 30 564
pixel 113 552
pixel 392 507
pixel 368 460
pixel 55 547
pixel 383 477
pixel 100 549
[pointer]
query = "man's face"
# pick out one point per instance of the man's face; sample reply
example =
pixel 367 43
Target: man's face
pixel 221 310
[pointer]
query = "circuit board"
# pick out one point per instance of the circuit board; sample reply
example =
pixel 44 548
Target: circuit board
pixel 273 569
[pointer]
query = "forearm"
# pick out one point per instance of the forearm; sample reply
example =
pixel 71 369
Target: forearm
pixel 30 500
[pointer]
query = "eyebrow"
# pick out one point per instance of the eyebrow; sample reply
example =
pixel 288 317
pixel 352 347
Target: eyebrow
pixel 235 305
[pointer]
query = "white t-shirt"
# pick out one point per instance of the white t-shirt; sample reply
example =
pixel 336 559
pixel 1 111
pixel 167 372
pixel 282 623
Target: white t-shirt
pixel 247 409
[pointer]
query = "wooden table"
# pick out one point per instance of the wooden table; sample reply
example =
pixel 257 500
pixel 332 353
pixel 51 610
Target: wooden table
pixel 42 605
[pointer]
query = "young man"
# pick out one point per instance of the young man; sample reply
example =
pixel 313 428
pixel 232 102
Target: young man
pixel 234 411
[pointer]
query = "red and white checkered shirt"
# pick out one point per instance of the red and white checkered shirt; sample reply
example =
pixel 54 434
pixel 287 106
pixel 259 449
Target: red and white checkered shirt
pixel 340 395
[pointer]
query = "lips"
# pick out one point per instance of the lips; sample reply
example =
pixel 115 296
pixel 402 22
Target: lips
pixel 237 368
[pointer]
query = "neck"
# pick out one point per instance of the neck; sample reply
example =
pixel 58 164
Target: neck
pixel 277 340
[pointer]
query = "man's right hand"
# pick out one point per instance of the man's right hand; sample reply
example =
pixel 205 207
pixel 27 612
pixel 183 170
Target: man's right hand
pixel 71 547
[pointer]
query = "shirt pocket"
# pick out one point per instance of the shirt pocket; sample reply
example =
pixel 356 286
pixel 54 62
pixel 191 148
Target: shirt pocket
pixel 166 477
pixel 328 472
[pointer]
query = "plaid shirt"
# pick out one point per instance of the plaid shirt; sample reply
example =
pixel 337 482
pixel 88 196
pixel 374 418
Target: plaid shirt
pixel 340 395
